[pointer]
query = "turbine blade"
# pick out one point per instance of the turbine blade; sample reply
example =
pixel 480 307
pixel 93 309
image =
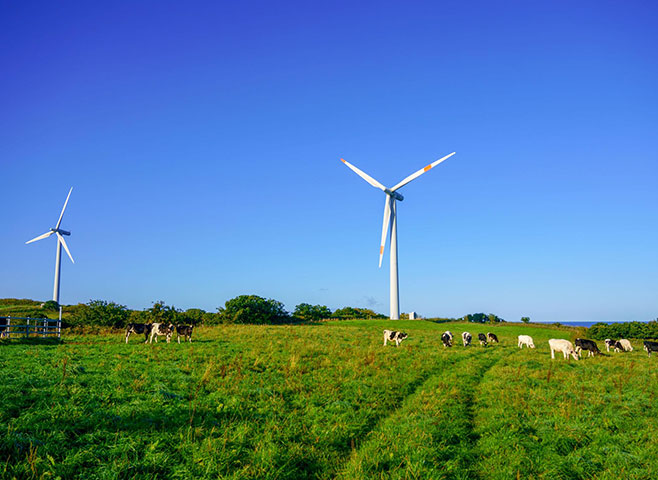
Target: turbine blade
pixel 45 235
pixel 63 208
pixel 61 239
pixel 365 176
pixel 420 172
pixel 385 226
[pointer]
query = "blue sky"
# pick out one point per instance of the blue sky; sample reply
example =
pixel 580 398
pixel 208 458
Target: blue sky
pixel 203 142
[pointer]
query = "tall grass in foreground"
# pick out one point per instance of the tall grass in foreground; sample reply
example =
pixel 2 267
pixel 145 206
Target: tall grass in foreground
pixel 323 401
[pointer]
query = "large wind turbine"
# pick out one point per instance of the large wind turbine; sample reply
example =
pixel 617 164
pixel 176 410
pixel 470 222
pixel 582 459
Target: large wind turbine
pixel 391 225
pixel 60 242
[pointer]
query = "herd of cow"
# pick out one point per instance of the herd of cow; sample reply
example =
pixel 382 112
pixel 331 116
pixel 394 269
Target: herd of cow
pixel 154 330
pixel 556 344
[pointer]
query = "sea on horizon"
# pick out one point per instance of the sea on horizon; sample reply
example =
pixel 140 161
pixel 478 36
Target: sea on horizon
pixel 589 324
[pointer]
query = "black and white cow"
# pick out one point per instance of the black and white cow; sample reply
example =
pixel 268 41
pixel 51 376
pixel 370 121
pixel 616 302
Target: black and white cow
pixel 483 339
pixel 184 331
pixel 138 328
pixel 589 345
pixel 393 336
pixel 650 346
pixel 609 343
pixel 3 327
pixel 492 337
pixel 158 329
pixel 466 338
pixel 446 338
pixel 623 345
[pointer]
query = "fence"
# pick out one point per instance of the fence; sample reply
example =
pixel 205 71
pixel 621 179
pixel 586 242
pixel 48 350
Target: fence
pixel 27 326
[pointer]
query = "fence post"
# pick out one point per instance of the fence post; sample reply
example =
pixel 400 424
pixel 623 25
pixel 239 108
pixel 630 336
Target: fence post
pixel 27 328
pixel 59 323
pixel 8 325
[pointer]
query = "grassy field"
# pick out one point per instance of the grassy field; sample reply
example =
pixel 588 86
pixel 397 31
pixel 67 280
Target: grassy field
pixel 325 401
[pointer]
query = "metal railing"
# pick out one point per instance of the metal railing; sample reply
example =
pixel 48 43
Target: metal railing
pixel 27 326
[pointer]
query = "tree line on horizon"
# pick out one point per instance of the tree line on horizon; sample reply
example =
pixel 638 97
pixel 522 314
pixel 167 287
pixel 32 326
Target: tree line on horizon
pixel 243 309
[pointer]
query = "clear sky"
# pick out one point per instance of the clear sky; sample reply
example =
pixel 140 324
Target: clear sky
pixel 203 141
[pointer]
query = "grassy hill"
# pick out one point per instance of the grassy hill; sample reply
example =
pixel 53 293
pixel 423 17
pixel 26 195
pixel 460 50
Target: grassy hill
pixel 325 401
pixel 24 307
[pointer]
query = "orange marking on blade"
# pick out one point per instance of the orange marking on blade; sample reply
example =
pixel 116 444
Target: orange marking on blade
pixel 381 249
pixel 342 160
pixel 427 168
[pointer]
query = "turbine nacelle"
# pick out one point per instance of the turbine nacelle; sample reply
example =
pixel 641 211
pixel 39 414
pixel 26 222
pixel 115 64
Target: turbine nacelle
pixel 60 231
pixel 395 195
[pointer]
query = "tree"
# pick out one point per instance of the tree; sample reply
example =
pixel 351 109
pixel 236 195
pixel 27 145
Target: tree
pixel 525 319
pixel 254 309
pixel 352 312
pixel 101 313
pixel 162 313
pixel 194 315
pixel 309 312
pixel 51 306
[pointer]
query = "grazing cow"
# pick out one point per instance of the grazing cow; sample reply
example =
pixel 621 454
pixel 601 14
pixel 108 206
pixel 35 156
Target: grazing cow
pixel 589 345
pixel 526 340
pixel 623 345
pixel 158 329
pixel 466 339
pixel 564 346
pixel 609 343
pixel 492 337
pixel 185 331
pixel 650 346
pixel 483 339
pixel 446 338
pixel 393 336
pixel 138 328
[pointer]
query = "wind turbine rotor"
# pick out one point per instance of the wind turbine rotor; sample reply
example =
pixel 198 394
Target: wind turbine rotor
pixel 385 227
pixel 417 174
pixel 365 176
pixel 63 208
pixel 40 237
pixel 60 238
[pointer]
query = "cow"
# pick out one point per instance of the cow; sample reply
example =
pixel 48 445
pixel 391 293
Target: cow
pixel 446 338
pixel 483 339
pixel 589 345
pixel 393 336
pixel 623 345
pixel 466 339
pixel 158 329
pixel 185 331
pixel 139 328
pixel 564 346
pixel 526 340
pixel 492 337
pixel 650 346
pixel 609 343
pixel 3 327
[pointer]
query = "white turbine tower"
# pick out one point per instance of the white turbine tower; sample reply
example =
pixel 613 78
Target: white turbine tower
pixel 391 225
pixel 60 242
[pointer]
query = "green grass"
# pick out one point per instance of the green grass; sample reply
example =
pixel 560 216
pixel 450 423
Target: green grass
pixel 325 401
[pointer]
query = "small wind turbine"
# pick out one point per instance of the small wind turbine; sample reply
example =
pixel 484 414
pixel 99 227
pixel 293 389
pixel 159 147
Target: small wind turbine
pixel 390 224
pixel 60 242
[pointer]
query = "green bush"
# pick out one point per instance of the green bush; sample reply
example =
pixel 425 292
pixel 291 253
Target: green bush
pixel 253 309
pixel 100 313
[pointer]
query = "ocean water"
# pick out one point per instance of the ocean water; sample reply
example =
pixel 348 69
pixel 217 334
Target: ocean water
pixel 586 324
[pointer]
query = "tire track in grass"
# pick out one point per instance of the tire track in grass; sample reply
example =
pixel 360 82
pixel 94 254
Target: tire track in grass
pixel 431 434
